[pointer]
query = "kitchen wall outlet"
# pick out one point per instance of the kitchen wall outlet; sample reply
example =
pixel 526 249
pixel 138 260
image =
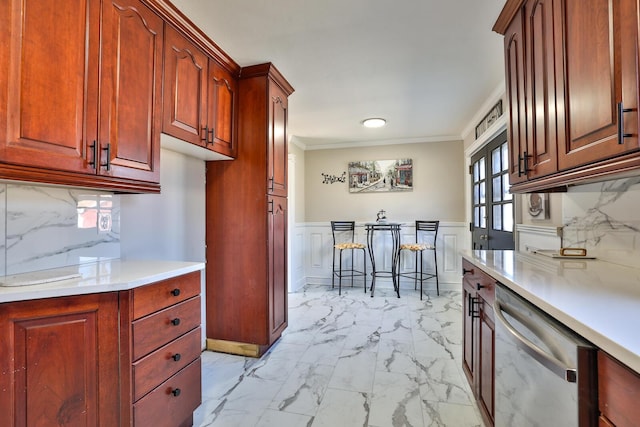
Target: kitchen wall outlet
pixel 104 222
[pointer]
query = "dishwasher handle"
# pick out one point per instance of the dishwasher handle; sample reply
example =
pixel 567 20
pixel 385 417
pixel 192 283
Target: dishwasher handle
pixel 552 363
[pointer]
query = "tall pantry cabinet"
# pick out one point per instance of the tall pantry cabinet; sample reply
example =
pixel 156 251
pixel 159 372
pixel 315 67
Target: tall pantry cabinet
pixel 246 210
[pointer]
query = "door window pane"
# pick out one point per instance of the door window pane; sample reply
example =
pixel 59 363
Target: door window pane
pixel 481 167
pixel 497 189
pixel 483 217
pixel 506 195
pixel 505 157
pixel 476 194
pixel 497 217
pixel 476 216
pixel 507 217
pixel 476 174
pixel 483 192
pixel 495 161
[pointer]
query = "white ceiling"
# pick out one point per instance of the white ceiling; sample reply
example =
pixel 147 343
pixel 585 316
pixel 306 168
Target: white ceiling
pixel 427 66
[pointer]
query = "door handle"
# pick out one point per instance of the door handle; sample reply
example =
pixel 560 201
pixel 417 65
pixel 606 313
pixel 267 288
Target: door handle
pixel 621 134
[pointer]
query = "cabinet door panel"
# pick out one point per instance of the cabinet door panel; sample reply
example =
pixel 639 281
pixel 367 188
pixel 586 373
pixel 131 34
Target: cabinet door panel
pixel 544 63
pixel 277 140
pixel 131 91
pixel 62 358
pixel 185 89
pixel 223 93
pixel 596 80
pixel 516 97
pixel 49 83
pixel 277 266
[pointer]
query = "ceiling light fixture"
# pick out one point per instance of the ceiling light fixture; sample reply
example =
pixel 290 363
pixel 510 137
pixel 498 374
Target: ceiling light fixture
pixel 374 122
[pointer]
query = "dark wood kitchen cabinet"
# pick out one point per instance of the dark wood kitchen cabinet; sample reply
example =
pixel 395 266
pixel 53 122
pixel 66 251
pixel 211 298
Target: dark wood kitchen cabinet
pixel 161 345
pixel 246 210
pixel 80 93
pixel 618 393
pixel 59 361
pixel 478 292
pixel 200 96
pixel 572 90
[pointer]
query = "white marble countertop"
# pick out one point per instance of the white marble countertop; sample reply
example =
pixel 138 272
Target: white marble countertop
pixel 596 299
pixel 103 276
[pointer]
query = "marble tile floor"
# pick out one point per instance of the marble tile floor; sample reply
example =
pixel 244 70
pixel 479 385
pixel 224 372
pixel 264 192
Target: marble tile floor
pixel 348 360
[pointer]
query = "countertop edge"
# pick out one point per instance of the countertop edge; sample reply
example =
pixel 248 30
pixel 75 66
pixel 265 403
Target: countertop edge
pixel 102 276
pixel 591 333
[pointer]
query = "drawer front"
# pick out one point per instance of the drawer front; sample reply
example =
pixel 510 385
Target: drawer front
pixel 486 287
pixel 481 282
pixel 151 298
pixel 153 369
pixel 156 330
pixel 171 403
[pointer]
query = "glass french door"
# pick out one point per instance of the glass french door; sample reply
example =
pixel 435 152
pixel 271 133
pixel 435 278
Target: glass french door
pixel 492 216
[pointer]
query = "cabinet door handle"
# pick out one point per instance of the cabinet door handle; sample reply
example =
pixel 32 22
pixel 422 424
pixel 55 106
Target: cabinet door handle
pixel 479 286
pixel 175 292
pixel 465 271
pixel 176 392
pixel 270 207
pixel 176 357
pixel 471 302
pixel 175 322
pixel 107 165
pixel 210 139
pixel 94 154
pixel 204 132
pixel 524 161
pixel 271 183
pixel 621 134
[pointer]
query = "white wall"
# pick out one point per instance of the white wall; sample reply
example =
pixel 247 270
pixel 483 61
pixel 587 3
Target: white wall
pixel 169 225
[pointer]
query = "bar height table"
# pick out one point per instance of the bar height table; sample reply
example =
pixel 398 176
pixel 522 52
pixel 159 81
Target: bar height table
pixel 394 229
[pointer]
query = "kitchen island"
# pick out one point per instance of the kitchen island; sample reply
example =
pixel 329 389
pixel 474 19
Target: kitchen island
pixel 113 343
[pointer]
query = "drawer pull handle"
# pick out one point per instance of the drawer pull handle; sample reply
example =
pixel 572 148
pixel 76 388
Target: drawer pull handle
pixel 176 357
pixel 479 286
pixel 175 292
pixel 175 322
pixel 176 392
pixel 465 271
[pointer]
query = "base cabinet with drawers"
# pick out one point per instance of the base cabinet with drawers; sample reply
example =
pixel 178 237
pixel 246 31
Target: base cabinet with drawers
pixel 122 358
pixel 160 328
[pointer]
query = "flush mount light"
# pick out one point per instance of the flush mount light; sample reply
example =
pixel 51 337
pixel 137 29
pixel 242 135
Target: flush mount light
pixel 374 123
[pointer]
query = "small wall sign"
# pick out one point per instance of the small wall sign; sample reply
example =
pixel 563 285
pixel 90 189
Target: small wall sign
pixel 332 179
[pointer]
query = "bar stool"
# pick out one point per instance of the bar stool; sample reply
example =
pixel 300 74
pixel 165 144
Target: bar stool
pixel 343 240
pixel 426 234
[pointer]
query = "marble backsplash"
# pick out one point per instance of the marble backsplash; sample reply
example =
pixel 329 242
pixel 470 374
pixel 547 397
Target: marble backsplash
pixel 47 227
pixel 604 218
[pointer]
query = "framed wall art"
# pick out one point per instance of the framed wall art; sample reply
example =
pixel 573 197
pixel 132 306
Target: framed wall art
pixel 376 176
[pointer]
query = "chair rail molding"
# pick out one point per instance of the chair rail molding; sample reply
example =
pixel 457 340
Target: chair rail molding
pixel 316 250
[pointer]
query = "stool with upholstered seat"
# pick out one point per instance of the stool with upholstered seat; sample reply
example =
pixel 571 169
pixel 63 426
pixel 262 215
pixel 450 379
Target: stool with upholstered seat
pixel 344 240
pixel 426 234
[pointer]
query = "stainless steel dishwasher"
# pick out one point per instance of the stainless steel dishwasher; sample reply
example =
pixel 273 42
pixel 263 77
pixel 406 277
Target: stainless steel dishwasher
pixel 545 374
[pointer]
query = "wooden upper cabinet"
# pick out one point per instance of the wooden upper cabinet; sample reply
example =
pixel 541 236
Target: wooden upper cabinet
pixel 575 99
pixel 515 77
pixel 200 96
pixel 80 92
pixel 48 108
pixel 277 156
pixel 223 104
pixel 185 89
pixel 130 91
pixel 601 53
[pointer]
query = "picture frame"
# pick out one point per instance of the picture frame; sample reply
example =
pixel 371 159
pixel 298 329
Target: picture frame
pixel 377 176
pixel 537 206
